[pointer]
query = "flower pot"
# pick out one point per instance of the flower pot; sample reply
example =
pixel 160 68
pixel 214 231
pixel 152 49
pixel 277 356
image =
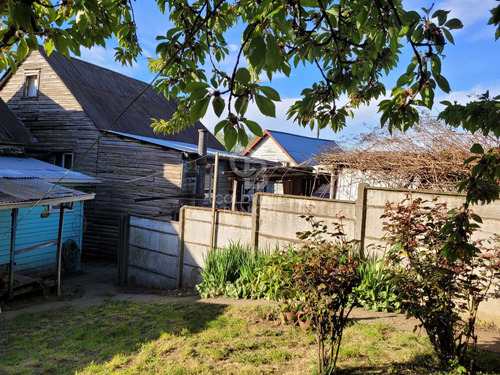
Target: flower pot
pixel 288 317
pixel 304 323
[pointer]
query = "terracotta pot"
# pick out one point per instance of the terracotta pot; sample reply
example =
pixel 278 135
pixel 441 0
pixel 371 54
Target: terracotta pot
pixel 303 324
pixel 288 317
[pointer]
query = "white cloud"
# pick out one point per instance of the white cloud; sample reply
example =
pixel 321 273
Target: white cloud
pixel 468 11
pixel 233 47
pixel 106 58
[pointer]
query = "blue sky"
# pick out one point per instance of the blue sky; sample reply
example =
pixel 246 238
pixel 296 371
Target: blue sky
pixel 471 65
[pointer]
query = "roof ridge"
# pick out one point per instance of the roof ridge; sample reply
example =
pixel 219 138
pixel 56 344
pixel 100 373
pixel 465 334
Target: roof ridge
pixel 301 136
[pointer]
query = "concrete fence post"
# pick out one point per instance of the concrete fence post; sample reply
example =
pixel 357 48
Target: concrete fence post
pixel 255 220
pixel 360 227
pixel 182 221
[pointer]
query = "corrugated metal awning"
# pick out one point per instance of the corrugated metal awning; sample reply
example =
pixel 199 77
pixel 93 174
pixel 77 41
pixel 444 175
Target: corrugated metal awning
pixel 26 192
pixel 12 167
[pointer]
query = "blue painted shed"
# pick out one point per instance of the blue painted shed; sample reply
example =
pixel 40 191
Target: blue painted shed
pixel 37 215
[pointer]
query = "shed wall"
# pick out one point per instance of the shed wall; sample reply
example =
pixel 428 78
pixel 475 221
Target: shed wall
pixel 33 230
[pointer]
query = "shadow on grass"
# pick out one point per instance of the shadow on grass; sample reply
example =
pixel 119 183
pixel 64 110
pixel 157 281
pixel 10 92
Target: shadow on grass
pixel 486 363
pixel 63 341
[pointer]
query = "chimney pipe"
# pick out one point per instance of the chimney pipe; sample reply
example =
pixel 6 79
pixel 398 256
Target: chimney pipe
pixel 201 163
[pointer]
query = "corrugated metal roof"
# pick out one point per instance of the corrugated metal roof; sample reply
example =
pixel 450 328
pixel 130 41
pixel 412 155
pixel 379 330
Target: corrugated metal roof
pixel 302 149
pixel 11 167
pixel 22 192
pixel 190 148
pixel 103 94
pixel 12 129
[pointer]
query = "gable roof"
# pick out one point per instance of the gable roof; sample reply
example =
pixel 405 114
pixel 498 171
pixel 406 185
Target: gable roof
pixel 12 130
pixel 299 149
pixel 104 94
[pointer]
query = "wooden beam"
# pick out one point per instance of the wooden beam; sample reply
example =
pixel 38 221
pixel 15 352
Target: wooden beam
pixel 59 248
pixel 13 230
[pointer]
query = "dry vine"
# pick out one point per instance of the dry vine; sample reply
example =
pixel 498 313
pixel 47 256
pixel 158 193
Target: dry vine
pixel 430 157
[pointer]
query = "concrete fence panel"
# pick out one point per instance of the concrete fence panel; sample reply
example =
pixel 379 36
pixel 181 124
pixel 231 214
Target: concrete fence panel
pixel 153 253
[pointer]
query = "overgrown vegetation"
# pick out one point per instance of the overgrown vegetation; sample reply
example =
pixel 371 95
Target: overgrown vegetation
pixel 197 338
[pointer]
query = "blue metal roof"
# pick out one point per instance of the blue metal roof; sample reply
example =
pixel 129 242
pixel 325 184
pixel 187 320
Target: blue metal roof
pixel 302 149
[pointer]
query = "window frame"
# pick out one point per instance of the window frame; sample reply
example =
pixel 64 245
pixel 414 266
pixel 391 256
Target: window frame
pixel 25 88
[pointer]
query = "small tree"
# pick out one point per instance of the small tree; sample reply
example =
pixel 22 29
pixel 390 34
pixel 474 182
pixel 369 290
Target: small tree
pixel 443 293
pixel 326 276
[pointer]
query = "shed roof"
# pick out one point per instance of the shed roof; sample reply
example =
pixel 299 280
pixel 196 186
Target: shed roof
pixel 300 149
pixel 104 94
pixel 12 167
pixel 12 130
pixel 193 149
pixel 24 192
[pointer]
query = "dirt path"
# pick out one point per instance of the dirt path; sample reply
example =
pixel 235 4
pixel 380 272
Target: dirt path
pixel 97 286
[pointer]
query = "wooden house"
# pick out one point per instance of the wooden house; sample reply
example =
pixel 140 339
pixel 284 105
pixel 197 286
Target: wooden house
pixel 299 173
pixel 69 104
pixel 32 223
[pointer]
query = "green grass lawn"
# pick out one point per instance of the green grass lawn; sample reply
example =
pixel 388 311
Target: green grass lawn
pixel 197 338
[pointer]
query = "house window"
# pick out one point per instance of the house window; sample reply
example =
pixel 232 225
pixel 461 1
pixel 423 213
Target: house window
pixel 64 159
pixel 68 206
pixel 31 84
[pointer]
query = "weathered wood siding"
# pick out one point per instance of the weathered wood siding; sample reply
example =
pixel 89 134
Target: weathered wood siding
pixel 34 230
pixel 130 170
pixel 55 118
pixel 267 149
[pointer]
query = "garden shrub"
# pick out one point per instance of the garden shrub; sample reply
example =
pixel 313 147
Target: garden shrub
pixel 325 277
pixel 443 294
pixel 230 272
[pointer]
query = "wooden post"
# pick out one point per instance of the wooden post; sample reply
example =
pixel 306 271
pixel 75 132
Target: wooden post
pixel 13 229
pixel 235 189
pixel 123 249
pixel 59 248
pixel 214 200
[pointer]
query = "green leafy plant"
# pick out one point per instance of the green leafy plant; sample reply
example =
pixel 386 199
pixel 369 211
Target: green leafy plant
pixel 376 291
pixel 230 272
pixel 443 293
pixel 326 277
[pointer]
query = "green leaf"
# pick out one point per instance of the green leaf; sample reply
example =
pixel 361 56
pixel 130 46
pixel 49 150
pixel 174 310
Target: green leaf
pixel 195 85
pixel 48 46
pixel 230 137
pixel 199 109
pixel 242 75
pixel 241 105
pixel 435 66
pixel 265 105
pixel 441 15
pixel 454 23
pixel 476 218
pixel 253 127
pixel 220 125
pixel 242 137
pixel 218 105
pixel 477 149
pixel 270 93
pixel 273 53
pixel 443 84
pixel 448 35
